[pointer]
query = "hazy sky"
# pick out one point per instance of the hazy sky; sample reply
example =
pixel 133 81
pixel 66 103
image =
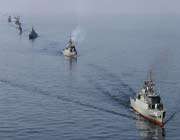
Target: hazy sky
pixel 91 7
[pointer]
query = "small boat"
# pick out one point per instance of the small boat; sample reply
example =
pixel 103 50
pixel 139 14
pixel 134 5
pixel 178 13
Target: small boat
pixel 33 35
pixel 148 103
pixel 70 50
pixel 17 21
pixel 20 29
pixel 9 19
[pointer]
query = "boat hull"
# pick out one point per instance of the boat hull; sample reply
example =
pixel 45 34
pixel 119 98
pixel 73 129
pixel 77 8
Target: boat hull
pixel 31 37
pixel 142 110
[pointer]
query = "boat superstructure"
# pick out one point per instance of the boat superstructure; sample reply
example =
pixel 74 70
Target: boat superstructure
pixel 33 34
pixel 70 50
pixel 148 103
pixel 17 21
pixel 9 19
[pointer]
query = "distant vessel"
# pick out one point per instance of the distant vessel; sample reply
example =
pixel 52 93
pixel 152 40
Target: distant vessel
pixel 33 34
pixel 148 104
pixel 70 50
pixel 9 19
pixel 17 21
pixel 20 29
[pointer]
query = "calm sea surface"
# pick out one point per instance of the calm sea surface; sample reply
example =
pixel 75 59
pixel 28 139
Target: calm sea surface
pixel 45 96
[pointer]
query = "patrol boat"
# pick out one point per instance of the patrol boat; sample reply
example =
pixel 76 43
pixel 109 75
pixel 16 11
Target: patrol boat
pixel 148 103
pixel 17 21
pixel 70 50
pixel 33 35
pixel 20 29
pixel 9 19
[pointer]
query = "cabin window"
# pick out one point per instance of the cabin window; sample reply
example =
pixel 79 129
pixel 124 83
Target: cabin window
pixel 164 114
pixel 155 100
pixel 139 96
pixel 160 106
pixel 153 106
pixel 150 106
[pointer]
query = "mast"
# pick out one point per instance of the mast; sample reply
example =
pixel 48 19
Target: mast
pixel 70 36
pixel 150 75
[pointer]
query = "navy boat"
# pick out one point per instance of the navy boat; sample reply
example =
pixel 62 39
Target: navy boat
pixel 33 34
pixel 17 21
pixel 9 19
pixel 20 29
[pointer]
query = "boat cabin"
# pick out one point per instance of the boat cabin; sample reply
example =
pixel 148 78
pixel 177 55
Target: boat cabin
pixel 154 99
pixel 155 102
pixel 71 46
pixel 33 34
pixel 72 49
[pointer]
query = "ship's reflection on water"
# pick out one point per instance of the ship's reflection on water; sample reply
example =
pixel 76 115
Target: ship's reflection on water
pixel 70 63
pixel 149 131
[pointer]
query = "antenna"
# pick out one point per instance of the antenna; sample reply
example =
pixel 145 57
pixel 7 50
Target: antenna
pixel 150 75
pixel 70 35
